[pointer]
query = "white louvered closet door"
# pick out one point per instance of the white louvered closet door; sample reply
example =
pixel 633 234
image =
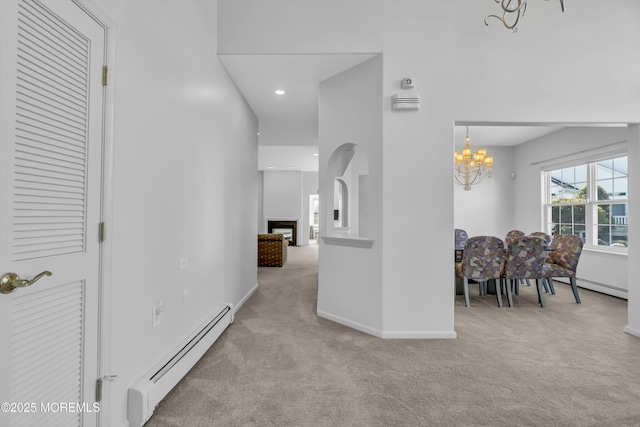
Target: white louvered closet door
pixel 51 108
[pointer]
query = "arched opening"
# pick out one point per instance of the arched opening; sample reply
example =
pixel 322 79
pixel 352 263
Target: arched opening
pixel 347 189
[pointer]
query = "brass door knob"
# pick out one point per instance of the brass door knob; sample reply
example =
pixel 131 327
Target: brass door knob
pixel 10 281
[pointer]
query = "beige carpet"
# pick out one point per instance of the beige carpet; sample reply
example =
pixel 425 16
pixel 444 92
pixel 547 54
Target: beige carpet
pixel 281 365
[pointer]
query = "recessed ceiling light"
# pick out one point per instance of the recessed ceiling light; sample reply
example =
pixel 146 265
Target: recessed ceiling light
pixel 279 92
pixel 315 154
pixel 269 167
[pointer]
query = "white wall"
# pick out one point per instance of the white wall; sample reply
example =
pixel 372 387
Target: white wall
pixel 633 326
pixel 557 68
pixel 349 284
pixel 282 194
pixel 604 272
pixel 184 183
pixel 487 209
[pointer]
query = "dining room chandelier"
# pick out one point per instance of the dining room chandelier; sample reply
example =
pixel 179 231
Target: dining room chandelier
pixel 512 13
pixel 471 169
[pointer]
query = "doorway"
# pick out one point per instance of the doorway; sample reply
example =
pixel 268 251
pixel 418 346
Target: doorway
pixel 314 218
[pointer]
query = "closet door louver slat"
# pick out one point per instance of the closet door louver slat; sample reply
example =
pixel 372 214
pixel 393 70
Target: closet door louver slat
pixel 51 133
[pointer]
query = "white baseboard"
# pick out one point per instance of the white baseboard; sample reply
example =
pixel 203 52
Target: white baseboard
pixel 245 298
pixel 351 324
pixel 388 334
pixel 420 335
pixel 632 331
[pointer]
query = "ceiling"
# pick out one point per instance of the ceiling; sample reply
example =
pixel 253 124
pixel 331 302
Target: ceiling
pixel 288 134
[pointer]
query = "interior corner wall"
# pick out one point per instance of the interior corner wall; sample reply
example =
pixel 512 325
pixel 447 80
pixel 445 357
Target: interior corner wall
pixel 185 184
pixel 487 209
pixel 349 283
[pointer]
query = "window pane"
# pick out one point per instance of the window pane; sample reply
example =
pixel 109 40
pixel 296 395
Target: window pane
pixel 555 214
pixel 604 214
pixel 605 189
pixel 620 236
pixel 581 194
pixel 566 214
pixel 620 188
pixel 619 214
pixel 580 231
pixel 605 169
pixel 620 166
pixel 604 235
pixel 566 229
pixel 581 173
pixel 578 214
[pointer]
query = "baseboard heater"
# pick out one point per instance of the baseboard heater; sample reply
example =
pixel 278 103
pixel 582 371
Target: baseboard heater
pixel 149 390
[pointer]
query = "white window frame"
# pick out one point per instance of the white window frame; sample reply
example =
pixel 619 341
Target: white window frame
pixel 591 203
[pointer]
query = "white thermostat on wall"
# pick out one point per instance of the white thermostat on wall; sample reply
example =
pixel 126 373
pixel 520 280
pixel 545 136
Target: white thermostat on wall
pixel 406 103
pixel 407 83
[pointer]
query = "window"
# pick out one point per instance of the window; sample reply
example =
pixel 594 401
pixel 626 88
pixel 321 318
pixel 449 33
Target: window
pixel 590 200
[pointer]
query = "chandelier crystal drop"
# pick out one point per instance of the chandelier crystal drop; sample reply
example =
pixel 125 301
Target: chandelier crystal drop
pixel 471 169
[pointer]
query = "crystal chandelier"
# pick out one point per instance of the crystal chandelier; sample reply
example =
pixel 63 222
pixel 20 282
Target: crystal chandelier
pixel 512 11
pixel 471 169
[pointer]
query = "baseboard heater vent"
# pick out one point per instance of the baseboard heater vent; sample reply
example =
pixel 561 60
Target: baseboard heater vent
pixel 149 390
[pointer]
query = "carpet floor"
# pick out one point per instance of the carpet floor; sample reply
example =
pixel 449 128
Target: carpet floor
pixel 279 364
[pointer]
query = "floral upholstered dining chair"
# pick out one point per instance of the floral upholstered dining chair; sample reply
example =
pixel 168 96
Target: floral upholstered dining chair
pixel 460 238
pixel 542 235
pixel 547 237
pixel 524 260
pixel 481 261
pixel 512 236
pixel 563 258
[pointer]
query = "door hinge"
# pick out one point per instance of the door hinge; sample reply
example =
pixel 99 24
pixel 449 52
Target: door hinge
pixel 99 382
pixel 105 75
pixel 101 232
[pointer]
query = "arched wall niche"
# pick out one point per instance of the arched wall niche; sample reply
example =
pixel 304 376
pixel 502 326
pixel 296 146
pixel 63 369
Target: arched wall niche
pixel 347 192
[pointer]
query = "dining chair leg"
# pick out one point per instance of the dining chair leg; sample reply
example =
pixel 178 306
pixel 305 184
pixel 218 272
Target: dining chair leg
pixel 540 296
pixel 550 282
pixel 509 296
pixel 544 285
pixel 466 292
pixel 515 284
pixel 574 288
pixel 499 291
